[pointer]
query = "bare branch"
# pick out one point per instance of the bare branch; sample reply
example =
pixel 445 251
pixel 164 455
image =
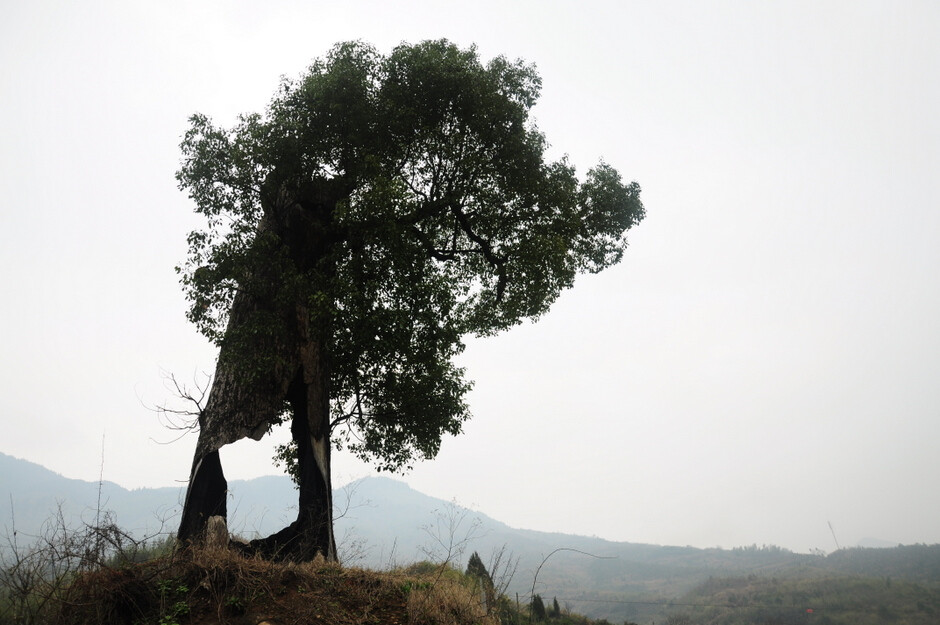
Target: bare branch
pixel 185 419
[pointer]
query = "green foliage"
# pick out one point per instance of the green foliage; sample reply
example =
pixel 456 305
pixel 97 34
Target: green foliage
pixel 286 455
pixel 426 568
pixel 173 595
pixel 236 604
pixel 476 569
pixel 538 608
pixel 386 206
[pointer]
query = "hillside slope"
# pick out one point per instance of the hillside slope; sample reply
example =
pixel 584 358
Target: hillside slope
pixel 383 523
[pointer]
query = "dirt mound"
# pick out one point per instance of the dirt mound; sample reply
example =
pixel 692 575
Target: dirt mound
pixel 220 586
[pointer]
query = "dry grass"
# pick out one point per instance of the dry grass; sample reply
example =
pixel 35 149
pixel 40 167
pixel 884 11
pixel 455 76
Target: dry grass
pixel 220 586
pixel 447 603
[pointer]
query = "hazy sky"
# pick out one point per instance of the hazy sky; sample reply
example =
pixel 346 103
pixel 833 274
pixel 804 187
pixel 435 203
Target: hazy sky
pixel 764 361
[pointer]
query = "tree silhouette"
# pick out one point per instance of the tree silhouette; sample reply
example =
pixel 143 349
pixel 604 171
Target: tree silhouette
pixel 382 209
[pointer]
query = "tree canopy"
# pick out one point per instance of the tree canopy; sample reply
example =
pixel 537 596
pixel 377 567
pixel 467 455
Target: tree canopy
pixel 382 209
pixel 446 221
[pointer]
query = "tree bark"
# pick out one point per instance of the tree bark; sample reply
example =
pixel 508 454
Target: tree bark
pixel 205 497
pixel 311 534
pixel 239 406
pixel 313 430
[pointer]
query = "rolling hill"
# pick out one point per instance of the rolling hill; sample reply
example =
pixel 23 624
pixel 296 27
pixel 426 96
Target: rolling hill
pixel 382 522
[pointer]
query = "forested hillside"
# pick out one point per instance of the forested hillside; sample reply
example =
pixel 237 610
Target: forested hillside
pixel 845 600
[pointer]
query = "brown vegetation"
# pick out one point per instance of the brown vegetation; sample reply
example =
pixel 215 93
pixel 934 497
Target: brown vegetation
pixel 210 586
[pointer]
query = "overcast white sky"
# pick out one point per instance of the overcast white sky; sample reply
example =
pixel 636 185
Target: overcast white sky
pixel 764 361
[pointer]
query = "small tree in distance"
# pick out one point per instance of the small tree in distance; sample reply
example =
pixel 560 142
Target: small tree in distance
pixel 382 209
pixel 476 568
pixel 538 608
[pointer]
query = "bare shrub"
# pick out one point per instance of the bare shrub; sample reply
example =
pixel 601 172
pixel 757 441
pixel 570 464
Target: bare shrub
pixel 36 572
pixel 449 534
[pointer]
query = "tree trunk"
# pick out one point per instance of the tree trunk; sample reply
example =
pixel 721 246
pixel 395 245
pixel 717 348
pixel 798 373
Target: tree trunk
pixel 244 404
pixel 205 497
pixel 239 406
pixel 312 533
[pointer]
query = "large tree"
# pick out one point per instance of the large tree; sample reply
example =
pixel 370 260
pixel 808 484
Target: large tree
pixel 382 209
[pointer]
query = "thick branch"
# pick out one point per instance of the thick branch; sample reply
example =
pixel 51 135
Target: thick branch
pixel 495 260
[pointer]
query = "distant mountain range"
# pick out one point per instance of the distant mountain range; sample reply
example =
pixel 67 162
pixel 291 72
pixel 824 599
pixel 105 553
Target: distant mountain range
pixel 383 522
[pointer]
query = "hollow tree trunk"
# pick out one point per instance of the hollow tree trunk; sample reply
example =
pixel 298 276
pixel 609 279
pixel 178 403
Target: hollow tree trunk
pixel 239 406
pixel 243 404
